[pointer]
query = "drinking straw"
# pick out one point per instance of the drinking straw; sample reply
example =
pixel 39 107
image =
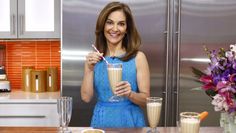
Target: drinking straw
pixel 99 53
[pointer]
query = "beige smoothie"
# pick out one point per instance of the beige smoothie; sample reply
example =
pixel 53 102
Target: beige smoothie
pixel 115 76
pixel 153 112
pixel 190 125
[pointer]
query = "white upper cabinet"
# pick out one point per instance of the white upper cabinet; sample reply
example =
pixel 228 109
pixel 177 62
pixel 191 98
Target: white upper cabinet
pixel 30 19
pixel 8 18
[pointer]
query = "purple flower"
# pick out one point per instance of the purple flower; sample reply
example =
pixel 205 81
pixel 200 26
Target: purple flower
pixel 214 63
pixel 216 79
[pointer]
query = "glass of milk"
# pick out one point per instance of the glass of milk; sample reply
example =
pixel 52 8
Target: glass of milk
pixel 153 112
pixel 115 76
pixel 189 122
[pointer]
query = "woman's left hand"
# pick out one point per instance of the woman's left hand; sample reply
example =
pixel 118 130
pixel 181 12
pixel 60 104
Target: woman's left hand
pixel 123 88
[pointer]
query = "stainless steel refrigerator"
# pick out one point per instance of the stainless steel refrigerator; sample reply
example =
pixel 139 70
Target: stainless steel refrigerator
pixel 173 33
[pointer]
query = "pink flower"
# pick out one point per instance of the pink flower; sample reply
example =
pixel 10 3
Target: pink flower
pixel 220 103
pixel 221 84
pixel 208 82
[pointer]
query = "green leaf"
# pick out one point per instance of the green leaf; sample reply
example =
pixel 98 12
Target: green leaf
pixel 221 52
pixel 198 73
pixel 208 52
pixel 211 93
pixel 234 96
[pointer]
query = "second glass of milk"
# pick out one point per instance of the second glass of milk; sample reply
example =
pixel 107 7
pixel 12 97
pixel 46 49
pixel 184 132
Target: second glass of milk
pixel 153 112
pixel 189 122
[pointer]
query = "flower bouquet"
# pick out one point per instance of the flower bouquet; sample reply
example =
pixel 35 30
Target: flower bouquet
pixel 219 79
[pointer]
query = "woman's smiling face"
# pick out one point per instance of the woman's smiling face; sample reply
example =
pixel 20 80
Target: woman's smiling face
pixel 115 27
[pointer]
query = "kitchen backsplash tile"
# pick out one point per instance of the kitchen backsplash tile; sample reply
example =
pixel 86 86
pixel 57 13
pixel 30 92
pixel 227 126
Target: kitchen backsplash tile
pixel 40 54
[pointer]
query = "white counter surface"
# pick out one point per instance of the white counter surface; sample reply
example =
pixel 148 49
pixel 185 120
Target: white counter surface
pixel 18 96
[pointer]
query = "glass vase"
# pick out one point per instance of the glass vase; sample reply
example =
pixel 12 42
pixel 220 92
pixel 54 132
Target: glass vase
pixel 228 122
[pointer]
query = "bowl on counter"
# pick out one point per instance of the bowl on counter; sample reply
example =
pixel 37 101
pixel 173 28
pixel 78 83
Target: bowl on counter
pixel 93 131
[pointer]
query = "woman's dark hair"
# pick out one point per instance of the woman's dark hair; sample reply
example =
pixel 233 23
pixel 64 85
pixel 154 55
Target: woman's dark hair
pixel 131 41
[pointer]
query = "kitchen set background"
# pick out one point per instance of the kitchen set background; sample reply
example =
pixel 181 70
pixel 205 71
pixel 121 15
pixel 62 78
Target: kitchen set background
pixel 37 53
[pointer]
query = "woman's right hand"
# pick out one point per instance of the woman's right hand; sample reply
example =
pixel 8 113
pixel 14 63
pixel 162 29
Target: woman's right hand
pixel 93 58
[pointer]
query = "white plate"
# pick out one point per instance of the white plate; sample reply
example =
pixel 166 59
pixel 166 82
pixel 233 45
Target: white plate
pixel 93 131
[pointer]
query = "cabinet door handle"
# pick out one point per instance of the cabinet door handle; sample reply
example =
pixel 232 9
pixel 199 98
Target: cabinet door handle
pixel 13 20
pixel 22 116
pixel 22 24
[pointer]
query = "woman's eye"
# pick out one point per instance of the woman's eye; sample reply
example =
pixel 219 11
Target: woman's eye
pixel 109 22
pixel 122 24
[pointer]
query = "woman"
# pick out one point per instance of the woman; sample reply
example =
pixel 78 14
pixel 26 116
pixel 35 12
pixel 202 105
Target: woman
pixel 118 41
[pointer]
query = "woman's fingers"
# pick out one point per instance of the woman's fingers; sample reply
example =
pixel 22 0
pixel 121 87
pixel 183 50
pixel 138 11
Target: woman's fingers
pixel 96 56
pixel 121 83
pixel 123 88
pixel 93 57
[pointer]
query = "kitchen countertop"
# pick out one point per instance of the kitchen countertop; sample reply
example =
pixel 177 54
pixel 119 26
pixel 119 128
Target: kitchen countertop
pixel 18 96
pixel 108 130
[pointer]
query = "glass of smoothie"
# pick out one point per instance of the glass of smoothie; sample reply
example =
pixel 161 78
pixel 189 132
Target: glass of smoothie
pixel 115 76
pixel 189 122
pixel 153 112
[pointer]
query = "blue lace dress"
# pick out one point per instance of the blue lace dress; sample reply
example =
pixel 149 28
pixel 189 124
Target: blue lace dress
pixel 124 113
